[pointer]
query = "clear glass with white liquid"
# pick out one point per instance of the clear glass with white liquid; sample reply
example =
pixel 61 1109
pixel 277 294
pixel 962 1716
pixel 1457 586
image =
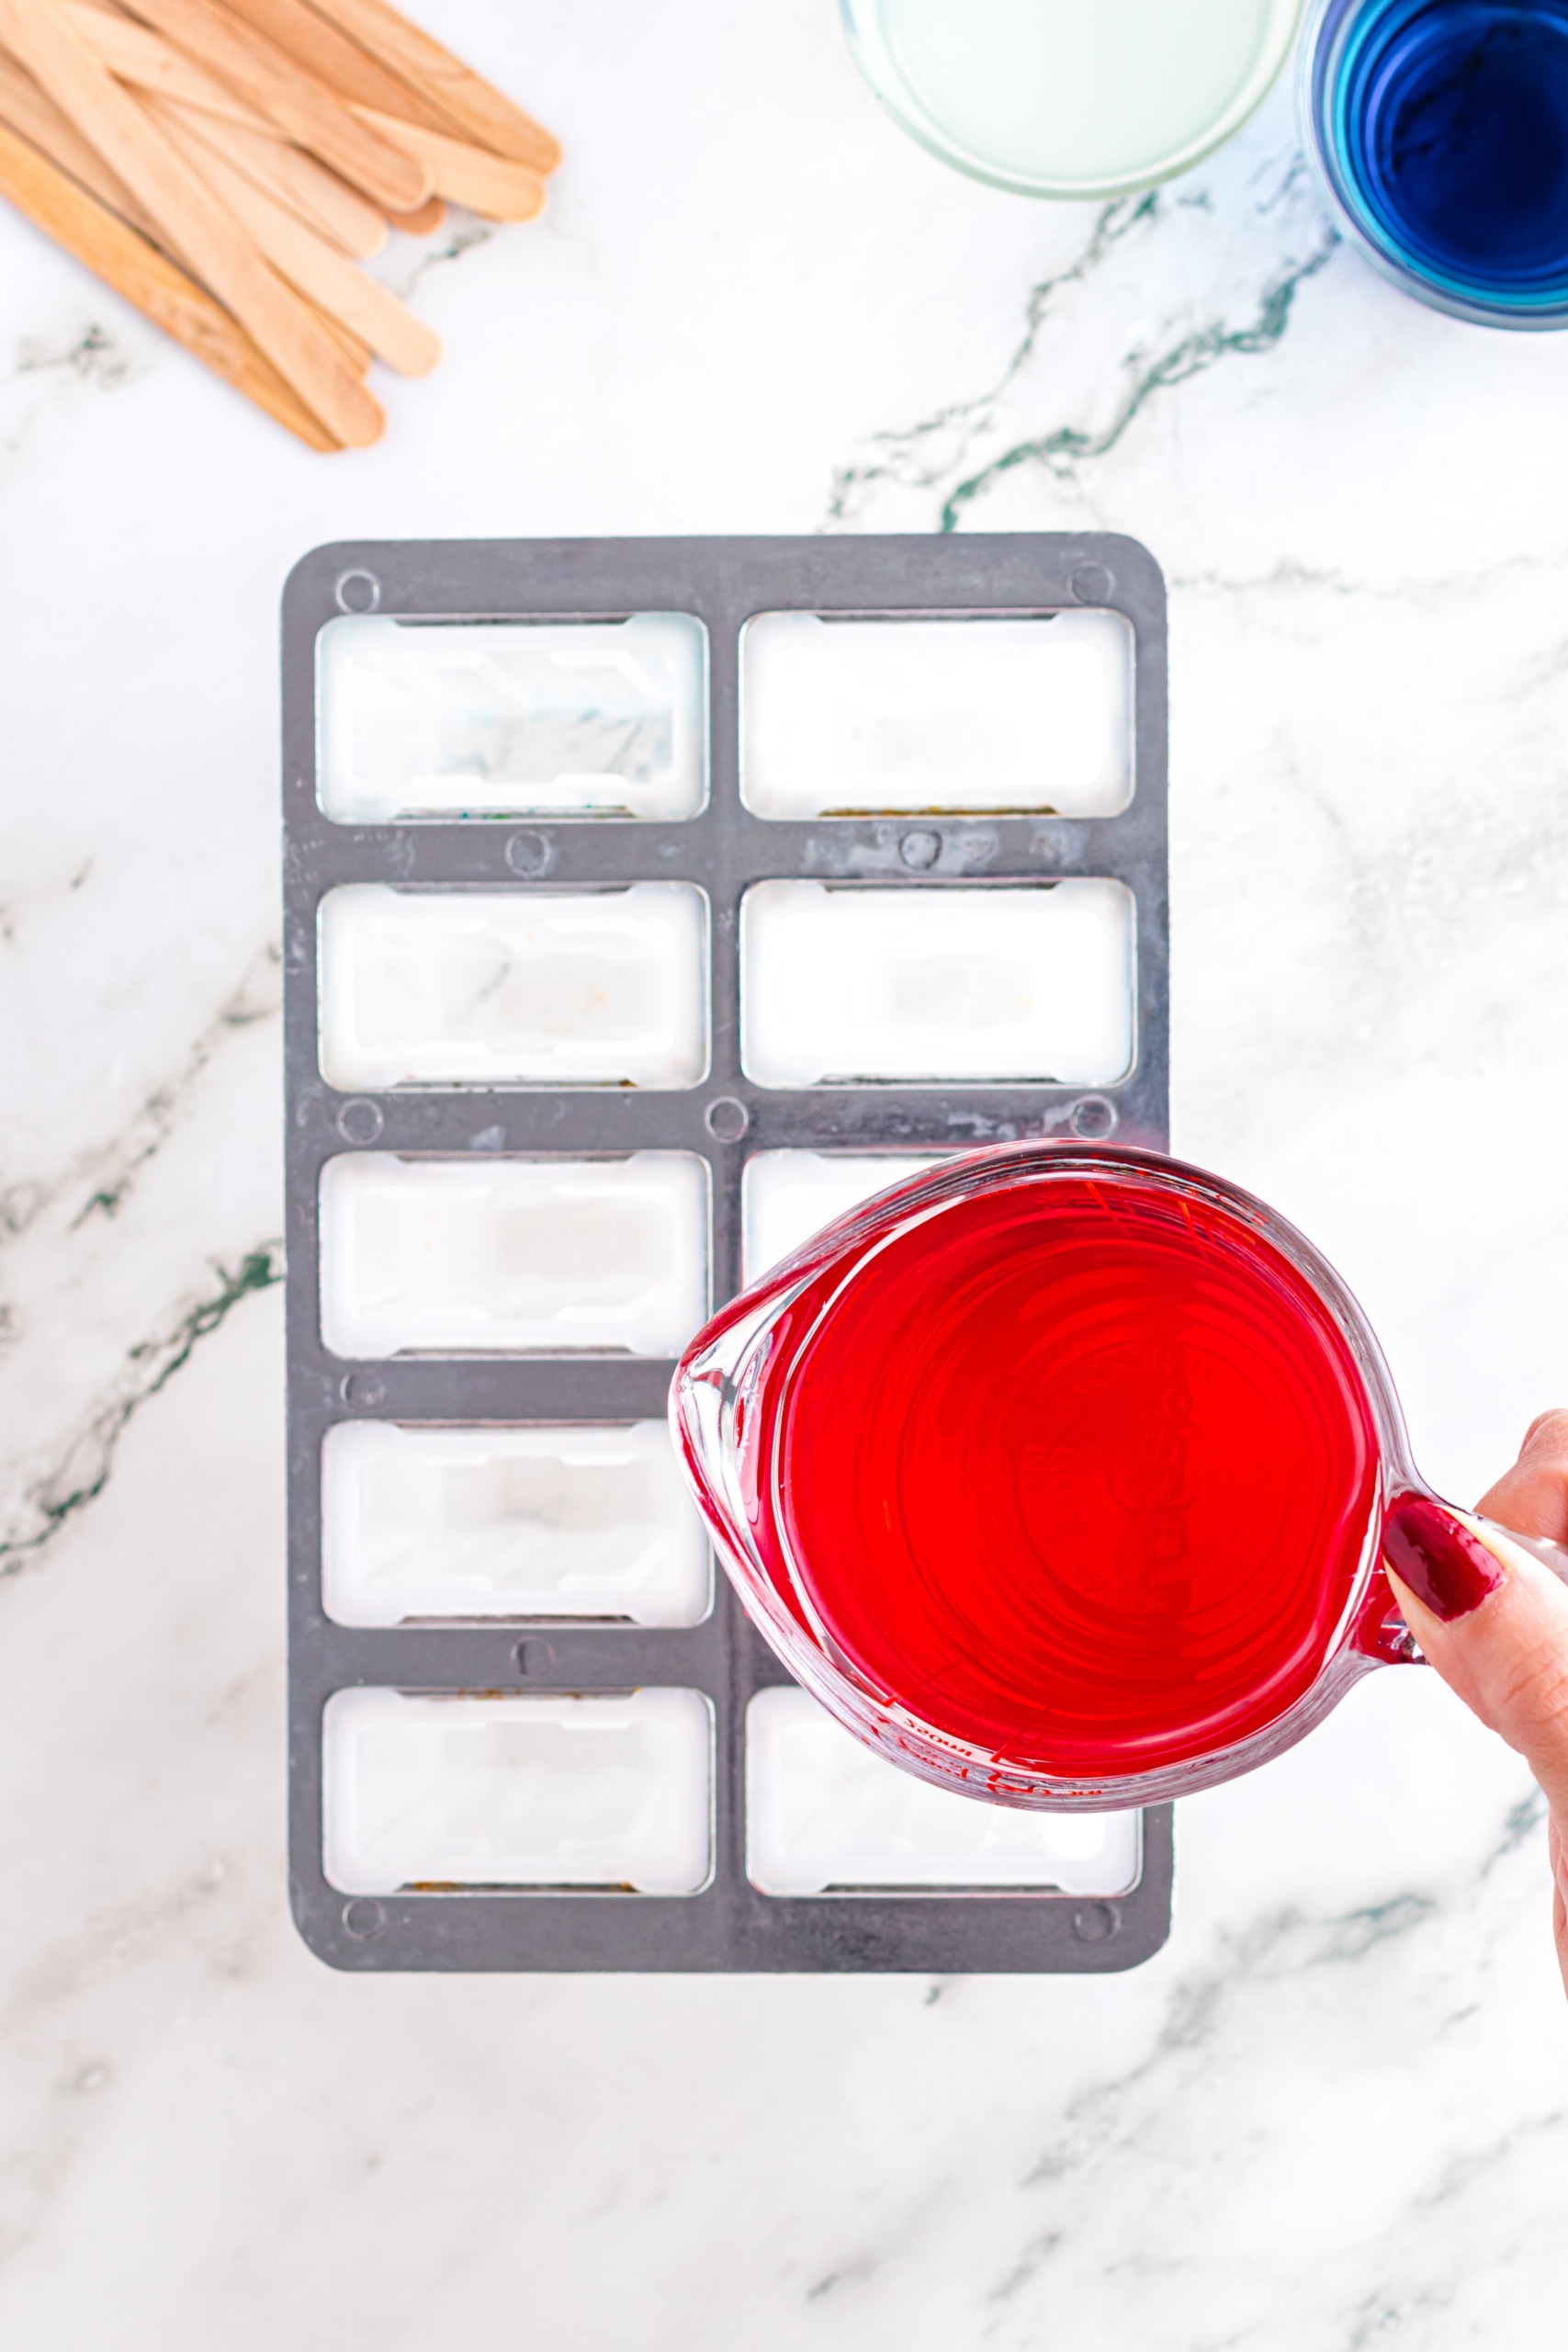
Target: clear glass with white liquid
pixel 1071 98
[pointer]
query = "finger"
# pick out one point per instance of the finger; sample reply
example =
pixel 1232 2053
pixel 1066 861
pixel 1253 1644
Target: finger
pixel 1494 1621
pixel 1559 1908
pixel 1533 1495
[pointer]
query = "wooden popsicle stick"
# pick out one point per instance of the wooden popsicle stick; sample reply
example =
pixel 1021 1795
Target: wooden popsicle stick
pixel 328 53
pixel 422 223
pixel 436 74
pixel 290 177
pixel 27 110
pixel 355 353
pixel 261 73
pixel 136 54
pixel 150 281
pixel 360 227
pixel 213 244
pixel 393 332
pixel 33 115
pixel 464 174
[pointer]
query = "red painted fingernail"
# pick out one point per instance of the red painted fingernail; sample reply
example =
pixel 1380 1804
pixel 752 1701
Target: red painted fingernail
pixel 1445 1566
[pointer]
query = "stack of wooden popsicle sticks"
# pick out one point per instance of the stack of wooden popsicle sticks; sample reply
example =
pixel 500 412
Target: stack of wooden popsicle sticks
pixel 226 164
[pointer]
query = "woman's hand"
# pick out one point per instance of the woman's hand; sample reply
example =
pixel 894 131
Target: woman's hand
pixel 1494 1621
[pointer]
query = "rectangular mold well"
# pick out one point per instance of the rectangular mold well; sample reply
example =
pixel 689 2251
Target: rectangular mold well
pixel 480 987
pixel 492 1254
pixel 534 1133
pixel 844 986
pixel 490 1791
pixel 786 1196
pixel 496 718
pixel 574 1522
pixel 824 1816
pixel 941 717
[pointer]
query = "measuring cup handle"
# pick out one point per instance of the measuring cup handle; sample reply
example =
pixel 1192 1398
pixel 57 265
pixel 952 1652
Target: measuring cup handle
pixel 1381 1630
pixel 1551 1555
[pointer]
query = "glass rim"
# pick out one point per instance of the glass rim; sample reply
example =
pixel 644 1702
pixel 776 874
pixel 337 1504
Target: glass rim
pixel 1327 23
pixel 868 46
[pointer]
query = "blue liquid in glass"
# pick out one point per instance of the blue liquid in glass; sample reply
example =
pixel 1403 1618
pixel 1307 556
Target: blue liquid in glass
pixel 1449 121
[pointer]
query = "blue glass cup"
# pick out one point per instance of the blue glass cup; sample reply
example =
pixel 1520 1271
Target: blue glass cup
pixel 1438 131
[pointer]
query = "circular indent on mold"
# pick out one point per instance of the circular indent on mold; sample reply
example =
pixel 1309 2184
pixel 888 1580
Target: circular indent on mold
pixel 359 1121
pixel 528 853
pixel 364 1389
pixel 358 592
pixel 1091 584
pixel 1094 1118
pixel 362 1919
pixel 920 849
pixel 1097 1923
pixel 533 1657
pixel 727 1119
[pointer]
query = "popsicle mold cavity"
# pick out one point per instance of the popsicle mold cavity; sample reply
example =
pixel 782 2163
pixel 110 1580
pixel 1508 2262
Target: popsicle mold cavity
pixel 568 1521
pixel 490 1253
pixel 845 985
pixel 846 718
pixel 822 1812
pixel 548 1792
pixel 520 987
pixel 787 1195
pixel 493 718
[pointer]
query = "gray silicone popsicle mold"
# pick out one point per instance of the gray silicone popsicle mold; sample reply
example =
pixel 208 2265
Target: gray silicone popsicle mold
pixel 724 849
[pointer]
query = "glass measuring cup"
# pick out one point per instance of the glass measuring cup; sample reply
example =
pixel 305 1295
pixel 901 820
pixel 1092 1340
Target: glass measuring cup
pixel 1062 1475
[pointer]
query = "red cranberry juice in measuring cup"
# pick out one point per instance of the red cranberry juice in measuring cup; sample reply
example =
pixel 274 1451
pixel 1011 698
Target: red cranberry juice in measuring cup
pixel 1076 1473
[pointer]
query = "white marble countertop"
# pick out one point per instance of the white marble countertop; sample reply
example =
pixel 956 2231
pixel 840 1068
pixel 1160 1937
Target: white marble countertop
pixel 1330 2115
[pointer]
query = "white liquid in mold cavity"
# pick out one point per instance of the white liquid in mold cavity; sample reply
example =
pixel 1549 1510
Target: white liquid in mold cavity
pixel 1076 97
pixel 845 984
pixel 939 715
pixel 786 1196
pixel 560 1522
pixel 823 1811
pixel 568 718
pixel 526 1791
pixel 493 1254
pixel 521 988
